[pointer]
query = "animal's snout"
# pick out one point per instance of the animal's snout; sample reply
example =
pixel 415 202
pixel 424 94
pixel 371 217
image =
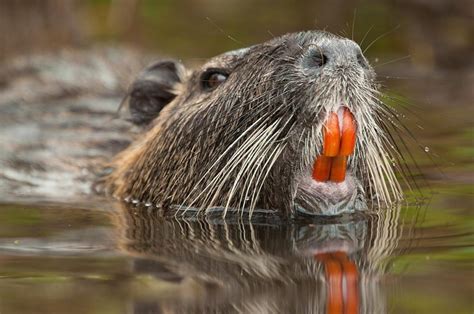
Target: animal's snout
pixel 334 54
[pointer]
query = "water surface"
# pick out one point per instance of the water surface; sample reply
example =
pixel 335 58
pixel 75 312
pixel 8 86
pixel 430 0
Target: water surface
pixel 58 259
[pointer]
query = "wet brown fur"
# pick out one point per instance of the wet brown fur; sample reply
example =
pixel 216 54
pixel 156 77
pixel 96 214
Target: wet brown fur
pixel 248 143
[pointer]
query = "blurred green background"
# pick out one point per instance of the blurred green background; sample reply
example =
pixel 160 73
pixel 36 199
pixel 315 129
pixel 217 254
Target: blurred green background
pixel 436 33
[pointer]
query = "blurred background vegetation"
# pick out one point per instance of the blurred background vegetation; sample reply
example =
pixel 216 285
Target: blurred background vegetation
pixel 436 33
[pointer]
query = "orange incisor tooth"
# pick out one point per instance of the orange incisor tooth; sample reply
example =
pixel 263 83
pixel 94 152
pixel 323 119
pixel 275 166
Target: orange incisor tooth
pixel 338 169
pixel 332 136
pixel 322 168
pixel 337 145
pixel 348 138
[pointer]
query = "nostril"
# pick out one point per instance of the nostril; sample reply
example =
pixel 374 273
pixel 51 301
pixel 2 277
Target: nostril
pixel 315 58
pixel 319 59
pixel 362 61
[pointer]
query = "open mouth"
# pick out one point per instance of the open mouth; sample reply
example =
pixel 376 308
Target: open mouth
pixel 339 138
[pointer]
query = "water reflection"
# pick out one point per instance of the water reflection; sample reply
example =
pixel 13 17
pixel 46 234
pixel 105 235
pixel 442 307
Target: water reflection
pixel 266 266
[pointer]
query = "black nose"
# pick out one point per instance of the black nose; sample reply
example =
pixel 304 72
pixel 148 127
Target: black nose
pixel 335 53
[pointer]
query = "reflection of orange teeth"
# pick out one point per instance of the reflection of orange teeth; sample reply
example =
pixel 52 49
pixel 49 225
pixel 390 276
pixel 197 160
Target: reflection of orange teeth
pixel 335 302
pixel 352 286
pixel 338 143
pixel 342 283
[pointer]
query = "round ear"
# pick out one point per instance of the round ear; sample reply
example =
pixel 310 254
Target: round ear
pixel 153 89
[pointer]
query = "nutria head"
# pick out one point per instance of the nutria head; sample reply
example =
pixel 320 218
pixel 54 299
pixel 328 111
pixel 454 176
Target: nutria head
pixel 257 128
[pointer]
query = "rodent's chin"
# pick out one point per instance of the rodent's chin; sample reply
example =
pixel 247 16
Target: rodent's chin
pixel 329 198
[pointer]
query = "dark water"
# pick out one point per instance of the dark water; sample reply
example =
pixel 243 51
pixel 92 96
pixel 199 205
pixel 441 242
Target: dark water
pixel 83 255
pixel 63 259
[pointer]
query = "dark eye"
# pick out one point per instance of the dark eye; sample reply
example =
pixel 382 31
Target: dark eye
pixel 213 78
